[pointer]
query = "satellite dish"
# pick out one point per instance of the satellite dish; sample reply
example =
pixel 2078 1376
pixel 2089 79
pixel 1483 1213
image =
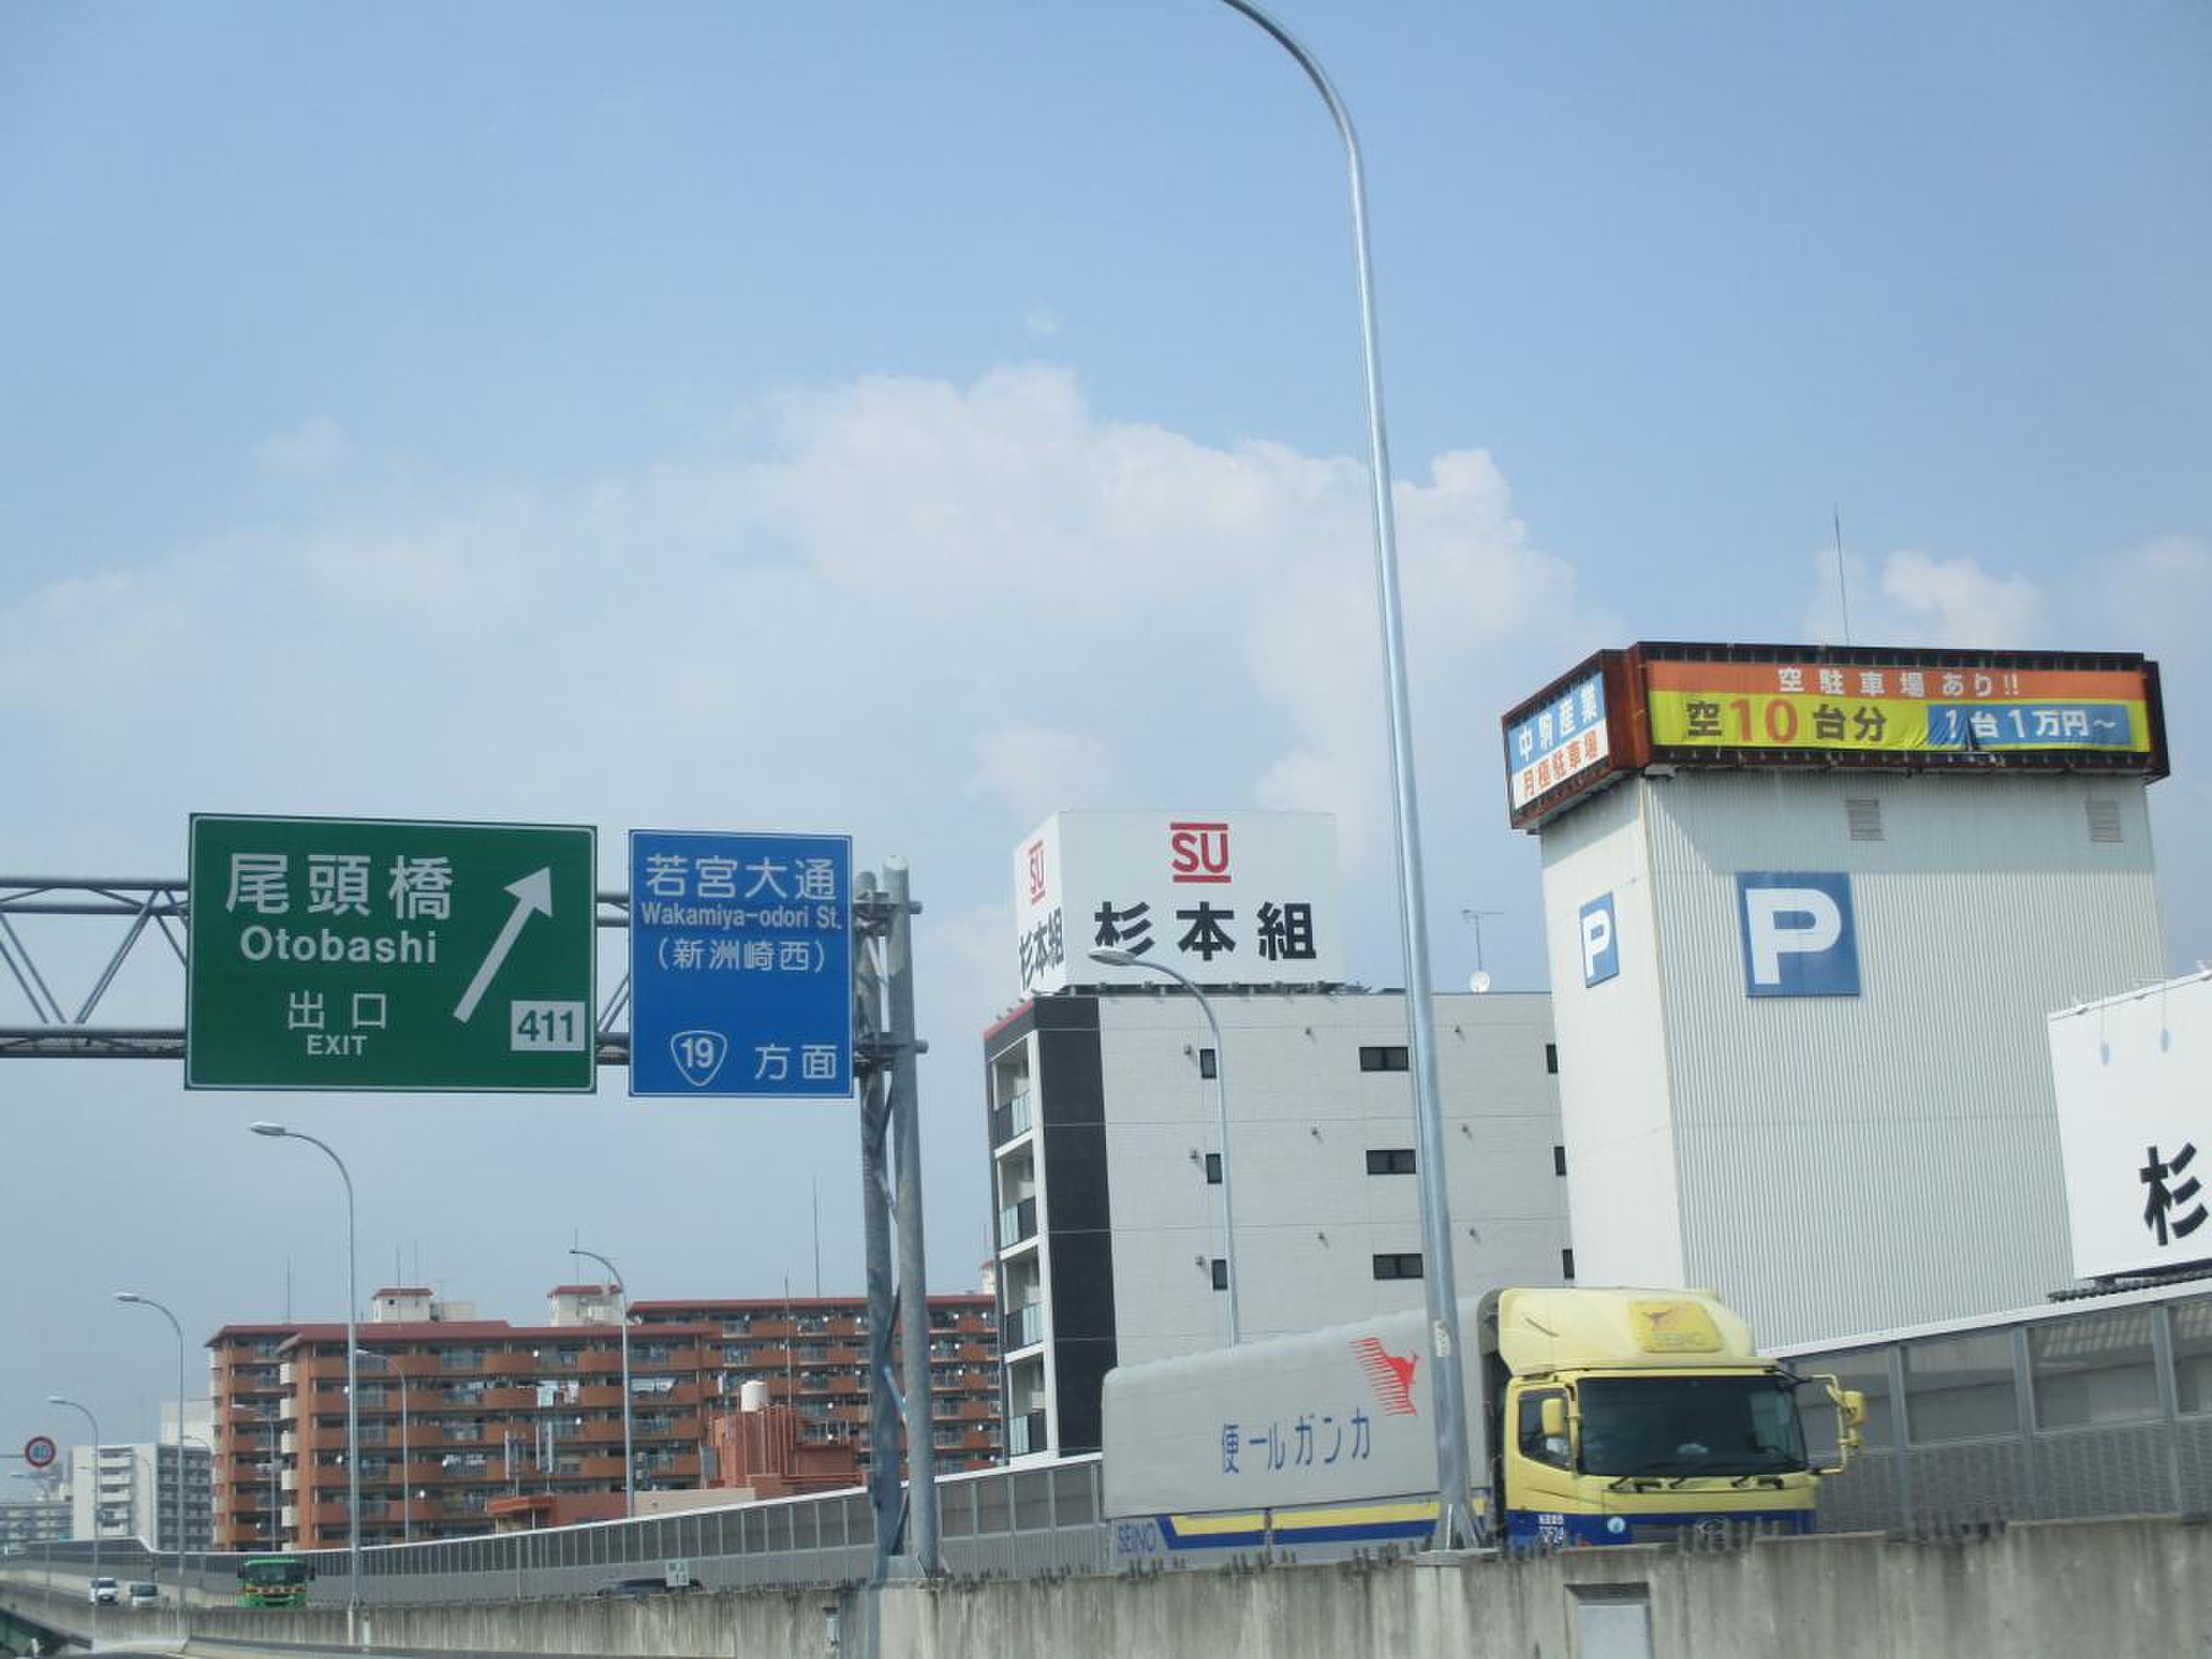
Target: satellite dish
pixel 1479 981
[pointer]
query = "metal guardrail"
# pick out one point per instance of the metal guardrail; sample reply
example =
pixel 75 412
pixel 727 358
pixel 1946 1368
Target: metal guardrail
pixel 2085 1408
pixel 997 1523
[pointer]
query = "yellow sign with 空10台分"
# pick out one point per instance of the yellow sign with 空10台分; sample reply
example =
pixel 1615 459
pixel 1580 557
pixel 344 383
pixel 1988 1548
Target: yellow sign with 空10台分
pixel 1901 710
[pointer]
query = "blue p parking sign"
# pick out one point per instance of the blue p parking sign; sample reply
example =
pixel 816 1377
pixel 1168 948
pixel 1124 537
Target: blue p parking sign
pixel 1600 945
pixel 1799 936
pixel 741 965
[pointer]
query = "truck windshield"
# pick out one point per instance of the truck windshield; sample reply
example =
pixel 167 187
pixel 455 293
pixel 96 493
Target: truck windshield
pixel 1690 1426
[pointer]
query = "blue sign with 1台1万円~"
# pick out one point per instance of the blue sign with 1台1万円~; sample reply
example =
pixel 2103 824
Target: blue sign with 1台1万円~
pixel 741 965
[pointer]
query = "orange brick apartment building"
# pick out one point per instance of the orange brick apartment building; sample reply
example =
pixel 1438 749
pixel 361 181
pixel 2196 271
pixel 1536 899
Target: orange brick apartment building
pixel 494 1410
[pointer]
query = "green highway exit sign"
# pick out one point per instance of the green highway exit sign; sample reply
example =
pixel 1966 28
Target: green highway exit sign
pixel 375 954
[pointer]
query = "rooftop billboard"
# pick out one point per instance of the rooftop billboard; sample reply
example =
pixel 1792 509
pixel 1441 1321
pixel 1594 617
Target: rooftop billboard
pixel 1225 898
pixel 1690 706
pixel 2131 1081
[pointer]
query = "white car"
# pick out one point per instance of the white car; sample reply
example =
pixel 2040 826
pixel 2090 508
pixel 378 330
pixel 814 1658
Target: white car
pixel 103 1592
pixel 140 1594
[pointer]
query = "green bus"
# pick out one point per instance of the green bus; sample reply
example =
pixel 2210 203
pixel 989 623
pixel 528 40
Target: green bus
pixel 274 1582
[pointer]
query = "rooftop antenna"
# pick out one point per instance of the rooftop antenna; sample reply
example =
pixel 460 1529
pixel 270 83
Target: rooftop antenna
pixel 1842 582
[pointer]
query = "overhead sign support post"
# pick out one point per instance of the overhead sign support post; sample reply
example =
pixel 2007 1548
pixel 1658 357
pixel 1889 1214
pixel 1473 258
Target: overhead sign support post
pixel 907 1538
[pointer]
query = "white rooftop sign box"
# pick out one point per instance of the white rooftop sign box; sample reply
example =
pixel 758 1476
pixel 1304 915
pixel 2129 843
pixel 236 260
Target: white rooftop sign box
pixel 2134 1078
pixel 1225 898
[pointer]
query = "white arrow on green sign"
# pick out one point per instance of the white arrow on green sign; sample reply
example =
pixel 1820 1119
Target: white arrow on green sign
pixel 381 954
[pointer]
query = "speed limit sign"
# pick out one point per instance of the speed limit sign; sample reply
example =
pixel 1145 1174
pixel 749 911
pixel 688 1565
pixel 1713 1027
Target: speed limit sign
pixel 38 1452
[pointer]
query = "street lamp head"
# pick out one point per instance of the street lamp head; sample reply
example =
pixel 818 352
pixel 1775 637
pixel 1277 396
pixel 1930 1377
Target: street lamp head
pixel 269 1128
pixel 1111 958
pixel 129 1296
pixel 55 1400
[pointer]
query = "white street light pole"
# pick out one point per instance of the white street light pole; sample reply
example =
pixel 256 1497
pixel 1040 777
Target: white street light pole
pixel 147 1301
pixel 58 1400
pixel 630 1460
pixel 1122 958
pixel 1455 1523
pixel 353 1424
pixel 407 1503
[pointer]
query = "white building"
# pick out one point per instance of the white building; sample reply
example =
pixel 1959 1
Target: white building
pixel 136 1487
pixel 1802 985
pixel 25 1522
pixel 134 1484
pixel 1107 1174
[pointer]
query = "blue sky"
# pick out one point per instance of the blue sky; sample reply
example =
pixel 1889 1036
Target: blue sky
pixel 893 419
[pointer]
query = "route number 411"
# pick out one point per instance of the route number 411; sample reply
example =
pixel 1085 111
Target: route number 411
pixel 545 1026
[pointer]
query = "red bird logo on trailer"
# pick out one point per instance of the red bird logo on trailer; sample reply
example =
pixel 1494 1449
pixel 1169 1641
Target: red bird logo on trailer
pixel 1391 1377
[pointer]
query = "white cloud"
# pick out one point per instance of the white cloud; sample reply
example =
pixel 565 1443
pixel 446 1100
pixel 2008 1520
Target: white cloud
pixel 1918 599
pixel 932 613
pixel 923 613
pixel 1040 323
pixel 2155 597
pixel 313 448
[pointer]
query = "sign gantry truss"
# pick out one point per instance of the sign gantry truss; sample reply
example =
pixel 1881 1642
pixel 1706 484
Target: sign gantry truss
pixel 43 965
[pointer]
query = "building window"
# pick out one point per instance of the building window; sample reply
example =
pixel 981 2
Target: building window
pixel 1384 1057
pixel 1210 1065
pixel 1559 1160
pixel 2104 822
pixel 1213 1169
pixel 1390 1161
pixel 1551 1059
pixel 1406 1265
pixel 1220 1274
pixel 1567 1263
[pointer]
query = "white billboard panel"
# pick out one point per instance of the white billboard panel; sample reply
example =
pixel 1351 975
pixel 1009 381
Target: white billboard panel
pixel 1225 898
pixel 1327 1417
pixel 2134 1079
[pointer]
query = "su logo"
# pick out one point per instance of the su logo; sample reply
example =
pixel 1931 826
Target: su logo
pixel 1037 877
pixel 1197 851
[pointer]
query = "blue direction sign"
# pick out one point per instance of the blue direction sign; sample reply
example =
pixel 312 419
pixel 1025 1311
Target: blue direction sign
pixel 740 965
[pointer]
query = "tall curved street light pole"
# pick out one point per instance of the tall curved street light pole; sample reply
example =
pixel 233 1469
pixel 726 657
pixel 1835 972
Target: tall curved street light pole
pixel 74 1406
pixel 630 1462
pixel 147 1301
pixel 1455 1523
pixel 1112 957
pixel 353 1423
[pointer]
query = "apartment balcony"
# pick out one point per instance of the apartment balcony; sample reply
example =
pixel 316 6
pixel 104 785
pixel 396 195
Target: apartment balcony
pixel 1013 1120
pixel 1026 1434
pixel 1024 1325
pixel 1017 1223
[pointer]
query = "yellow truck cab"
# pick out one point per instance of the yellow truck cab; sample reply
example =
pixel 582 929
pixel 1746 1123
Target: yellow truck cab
pixel 1633 1416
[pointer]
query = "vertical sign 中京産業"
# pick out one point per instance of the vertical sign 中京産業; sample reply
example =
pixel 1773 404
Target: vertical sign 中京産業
pixel 383 954
pixel 741 965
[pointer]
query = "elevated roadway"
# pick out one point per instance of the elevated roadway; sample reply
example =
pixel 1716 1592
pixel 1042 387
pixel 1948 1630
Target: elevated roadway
pixel 2123 1585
